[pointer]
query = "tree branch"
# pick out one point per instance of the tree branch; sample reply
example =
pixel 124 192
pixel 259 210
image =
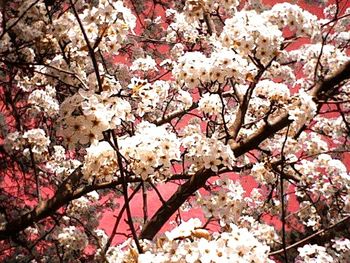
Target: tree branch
pixel 315 236
pixel 44 209
pixel 178 198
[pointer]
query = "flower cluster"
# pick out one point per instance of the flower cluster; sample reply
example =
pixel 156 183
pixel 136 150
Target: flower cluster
pixel 144 64
pixel 189 67
pixel 331 58
pixel 13 142
pixel 280 71
pixel 277 92
pixel 148 96
pixel 44 100
pixel 295 18
pixel 37 141
pixel 326 179
pixel 59 164
pixel 84 209
pixel 32 141
pixel 252 34
pixel 342 248
pixel 268 97
pixel 82 204
pixel 340 30
pixel 181 25
pixel 332 127
pixel 31 27
pixel 313 253
pixel 100 162
pixel 194 68
pixel 150 151
pixel 262 174
pixel 335 169
pixel 104 24
pixel 190 243
pixel 263 232
pixel 302 110
pixel 308 215
pixel 113 255
pixel 210 104
pixel 313 143
pixel 72 239
pixel 184 99
pixel 109 23
pixel 226 204
pixel 206 152
pixel 86 115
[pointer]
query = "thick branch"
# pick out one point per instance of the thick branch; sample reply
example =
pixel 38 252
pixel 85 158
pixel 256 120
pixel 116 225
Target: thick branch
pixel 243 106
pixel 63 196
pixel 178 198
pixel 328 84
pixel 46 208
pixel 174 115
pixel 265 131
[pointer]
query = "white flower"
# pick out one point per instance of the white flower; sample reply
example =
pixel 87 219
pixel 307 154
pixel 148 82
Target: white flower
pixel 46 100
pixel 100 162
pixel 72 239
pixel 210 104
pixel 151 150
pixel 144 64
pixel 184 229
pixel 313 254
